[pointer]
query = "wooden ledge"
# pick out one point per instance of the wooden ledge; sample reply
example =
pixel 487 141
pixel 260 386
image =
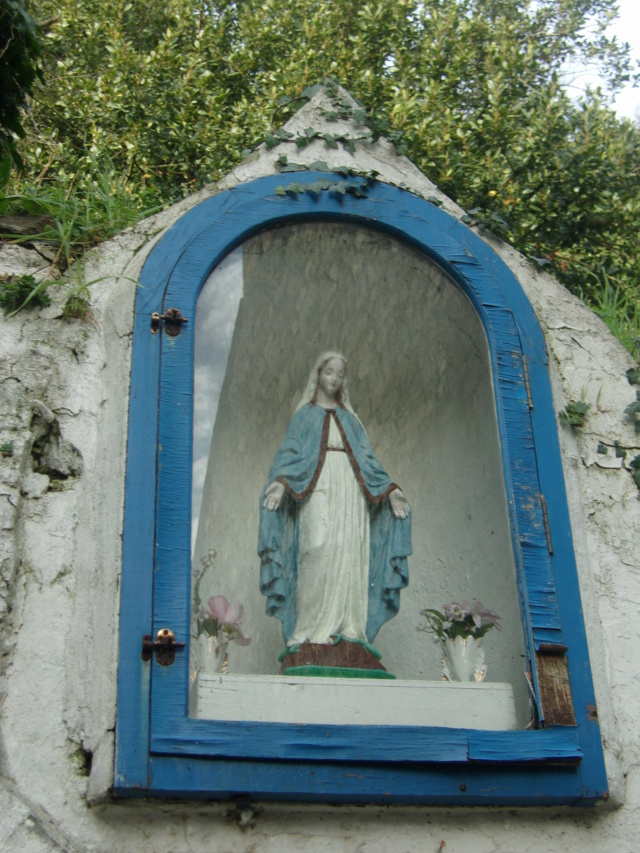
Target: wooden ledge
pixel 336 701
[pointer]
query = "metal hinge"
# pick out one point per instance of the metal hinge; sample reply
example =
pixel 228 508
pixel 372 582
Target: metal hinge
pixel 172 320
pixel 164 646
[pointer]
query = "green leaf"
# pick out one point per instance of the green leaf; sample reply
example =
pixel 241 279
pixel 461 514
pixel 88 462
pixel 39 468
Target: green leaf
pixel 270 141
pixel 435 613
pixel 318 186
pixel 311 91
pixel 330 141
pixel 602 449
pixel 281 133
pixel 331 115
pixel 575 413
pixel 633 375
pixel 5 170
pixel 349 145
pixel 319 166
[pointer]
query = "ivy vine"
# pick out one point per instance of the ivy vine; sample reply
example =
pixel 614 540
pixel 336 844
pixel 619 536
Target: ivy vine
pixel 378 127
pixel 301 140
pixel 342 109
pixel 632 412
pixel 355 182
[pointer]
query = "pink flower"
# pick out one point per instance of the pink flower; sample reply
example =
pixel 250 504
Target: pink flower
pixel 481 616
pixel 227 618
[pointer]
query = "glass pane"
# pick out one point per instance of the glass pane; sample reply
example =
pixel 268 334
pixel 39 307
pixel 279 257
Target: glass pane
pixel 215 320
pixel 420 381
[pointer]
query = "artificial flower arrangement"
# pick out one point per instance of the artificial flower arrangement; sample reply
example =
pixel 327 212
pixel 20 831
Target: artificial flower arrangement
pixel 461 620
pixel 222 619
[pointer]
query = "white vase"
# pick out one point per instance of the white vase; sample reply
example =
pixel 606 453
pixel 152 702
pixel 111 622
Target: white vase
pixel 463 659
pixel 208 656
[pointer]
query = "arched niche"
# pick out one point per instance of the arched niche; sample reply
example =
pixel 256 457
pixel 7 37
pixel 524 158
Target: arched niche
pixel 421 381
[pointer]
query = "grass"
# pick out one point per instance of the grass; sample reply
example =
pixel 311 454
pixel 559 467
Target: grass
pixel 619 311
pixel 79 212
pixel 77 306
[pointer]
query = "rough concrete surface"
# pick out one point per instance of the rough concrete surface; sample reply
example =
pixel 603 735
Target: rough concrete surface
pixel 63 411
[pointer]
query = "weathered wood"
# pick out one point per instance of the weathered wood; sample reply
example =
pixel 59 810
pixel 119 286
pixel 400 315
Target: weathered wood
pixel 427 745
pixel 556 702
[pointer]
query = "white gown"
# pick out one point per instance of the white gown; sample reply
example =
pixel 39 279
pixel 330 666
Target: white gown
pixel 333 555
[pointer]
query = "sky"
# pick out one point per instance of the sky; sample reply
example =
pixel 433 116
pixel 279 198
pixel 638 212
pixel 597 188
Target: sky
pixel 626 28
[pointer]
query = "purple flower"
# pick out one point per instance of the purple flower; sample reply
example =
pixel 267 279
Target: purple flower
pixel 455 612
pixel 461 619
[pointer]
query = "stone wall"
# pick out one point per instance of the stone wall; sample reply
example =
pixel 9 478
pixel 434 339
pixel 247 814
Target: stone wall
pixel 63 417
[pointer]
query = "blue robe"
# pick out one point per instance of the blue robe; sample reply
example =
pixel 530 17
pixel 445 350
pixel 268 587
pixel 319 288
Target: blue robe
pixel 297 466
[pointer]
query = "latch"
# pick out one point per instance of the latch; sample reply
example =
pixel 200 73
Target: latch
pixel 164 646
pixel 172 320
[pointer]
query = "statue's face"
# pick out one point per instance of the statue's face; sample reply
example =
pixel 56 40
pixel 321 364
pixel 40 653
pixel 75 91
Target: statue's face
pixel 331 377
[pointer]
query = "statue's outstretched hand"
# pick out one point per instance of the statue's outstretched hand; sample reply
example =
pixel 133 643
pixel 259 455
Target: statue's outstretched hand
pixel 273 496
pixel 399 504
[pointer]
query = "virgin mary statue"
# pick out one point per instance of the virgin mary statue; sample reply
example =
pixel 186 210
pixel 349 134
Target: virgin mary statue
pixel 335 531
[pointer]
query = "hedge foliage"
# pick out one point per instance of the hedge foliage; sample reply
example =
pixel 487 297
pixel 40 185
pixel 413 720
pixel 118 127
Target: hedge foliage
pixel 171 93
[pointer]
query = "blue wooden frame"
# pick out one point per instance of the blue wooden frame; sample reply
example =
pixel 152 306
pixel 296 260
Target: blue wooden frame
pixel 161 750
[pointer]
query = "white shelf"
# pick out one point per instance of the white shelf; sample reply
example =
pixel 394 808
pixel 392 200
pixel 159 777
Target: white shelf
pixel 354 701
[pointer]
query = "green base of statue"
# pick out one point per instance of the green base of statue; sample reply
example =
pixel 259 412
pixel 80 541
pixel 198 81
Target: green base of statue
pixel 336 672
